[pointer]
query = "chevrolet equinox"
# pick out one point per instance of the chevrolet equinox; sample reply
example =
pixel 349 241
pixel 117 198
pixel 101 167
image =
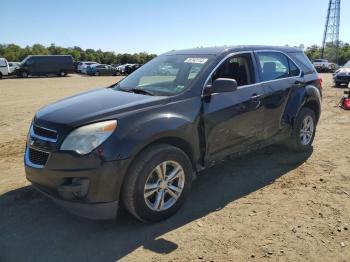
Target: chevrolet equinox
pixel 141 141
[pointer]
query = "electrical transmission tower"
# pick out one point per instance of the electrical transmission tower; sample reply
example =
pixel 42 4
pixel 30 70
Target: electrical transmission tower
pixel 331 31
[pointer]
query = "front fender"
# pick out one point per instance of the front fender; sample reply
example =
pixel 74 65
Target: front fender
pixel 178 120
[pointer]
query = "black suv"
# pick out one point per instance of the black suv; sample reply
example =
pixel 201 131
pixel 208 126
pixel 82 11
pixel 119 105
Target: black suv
pixel 141 141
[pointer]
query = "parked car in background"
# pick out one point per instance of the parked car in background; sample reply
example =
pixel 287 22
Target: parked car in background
pixel 101 70
pixel 342 75
pixel 81 68
pixel 122 68
pixel 13 66
pixel 131 68
pixel 4 67
pixel 38 65
pixel 323 65
pixel 141 141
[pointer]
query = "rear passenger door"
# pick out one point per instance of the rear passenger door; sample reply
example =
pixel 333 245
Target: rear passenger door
pixel 279 76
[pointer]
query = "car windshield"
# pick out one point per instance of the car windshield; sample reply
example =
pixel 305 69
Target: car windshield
pixel 165 75
pixel 347 65
pixel 25 60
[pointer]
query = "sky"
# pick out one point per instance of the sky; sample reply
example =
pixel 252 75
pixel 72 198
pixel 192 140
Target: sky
pixel 157 26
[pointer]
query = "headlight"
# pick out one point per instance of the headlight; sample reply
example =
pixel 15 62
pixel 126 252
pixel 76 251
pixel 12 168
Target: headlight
pixel 86 138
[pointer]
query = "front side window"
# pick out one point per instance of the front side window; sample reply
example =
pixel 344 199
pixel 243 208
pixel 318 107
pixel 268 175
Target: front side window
pixel 165 75
pixel 239 68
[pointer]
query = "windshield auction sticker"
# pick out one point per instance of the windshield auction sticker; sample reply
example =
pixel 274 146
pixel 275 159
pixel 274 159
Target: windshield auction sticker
pixel 196 60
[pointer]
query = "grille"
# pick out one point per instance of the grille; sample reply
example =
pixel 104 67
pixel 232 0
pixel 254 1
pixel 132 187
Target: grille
pixel 44 132
pixel 38 157
pixel 343 77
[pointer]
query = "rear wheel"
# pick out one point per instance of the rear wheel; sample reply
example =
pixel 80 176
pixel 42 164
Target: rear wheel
pixel 0 75
pixel 157 183
pixel 63 73
pixel 304 131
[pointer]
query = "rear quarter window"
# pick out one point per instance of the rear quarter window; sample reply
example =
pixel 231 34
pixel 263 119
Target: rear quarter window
pixel 303 62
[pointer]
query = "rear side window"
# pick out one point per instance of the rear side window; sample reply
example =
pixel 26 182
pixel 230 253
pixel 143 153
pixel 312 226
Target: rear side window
pixel 303 62
pixel 275 65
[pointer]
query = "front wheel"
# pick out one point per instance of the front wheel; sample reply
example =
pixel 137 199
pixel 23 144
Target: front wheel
pixel 157 183
pixel 24 74
pixel 304 131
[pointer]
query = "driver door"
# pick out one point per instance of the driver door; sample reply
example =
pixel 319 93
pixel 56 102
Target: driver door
pixel 233 121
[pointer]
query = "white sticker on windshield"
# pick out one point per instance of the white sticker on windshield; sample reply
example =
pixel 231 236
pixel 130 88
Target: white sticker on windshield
pixel 196 60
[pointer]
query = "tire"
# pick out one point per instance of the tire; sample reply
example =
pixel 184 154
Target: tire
pixel 301 142
pixel 24 74
pixel 143 171
pixel 63 73
pixel 0 75
pixel 97 73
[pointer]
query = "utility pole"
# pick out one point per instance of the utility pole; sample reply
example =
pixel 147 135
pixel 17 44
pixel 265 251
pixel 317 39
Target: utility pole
pixel 331 31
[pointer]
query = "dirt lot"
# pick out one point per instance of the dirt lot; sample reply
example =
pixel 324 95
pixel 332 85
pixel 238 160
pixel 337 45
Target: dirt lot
pixel 272 205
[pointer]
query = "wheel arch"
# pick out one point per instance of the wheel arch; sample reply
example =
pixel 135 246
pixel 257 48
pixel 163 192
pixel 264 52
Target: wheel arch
pixel 177 142
pixel 306 97
pixel 314 106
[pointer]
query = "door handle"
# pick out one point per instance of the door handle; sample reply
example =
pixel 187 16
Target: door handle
pixel 255 97
pixel 299 84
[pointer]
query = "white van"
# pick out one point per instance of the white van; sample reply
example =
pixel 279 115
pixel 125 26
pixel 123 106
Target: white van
pixel 4 67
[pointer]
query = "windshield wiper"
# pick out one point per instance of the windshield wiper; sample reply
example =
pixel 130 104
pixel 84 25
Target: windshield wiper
pixel 137 91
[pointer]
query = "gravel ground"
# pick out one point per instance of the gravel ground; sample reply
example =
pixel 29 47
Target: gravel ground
pixel 272 205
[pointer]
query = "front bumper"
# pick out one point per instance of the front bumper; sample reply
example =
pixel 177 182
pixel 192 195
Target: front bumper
pixel 84 185
pixel 342 79
pixel 96 211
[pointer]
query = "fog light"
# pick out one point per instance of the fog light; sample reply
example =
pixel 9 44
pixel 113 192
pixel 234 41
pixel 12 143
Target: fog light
pixel 74 188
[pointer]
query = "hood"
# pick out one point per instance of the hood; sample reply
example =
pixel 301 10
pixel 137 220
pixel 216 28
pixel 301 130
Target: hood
pixel 344 71
pixel 92 106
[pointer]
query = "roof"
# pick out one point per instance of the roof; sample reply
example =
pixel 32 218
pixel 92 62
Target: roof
pixel 229 49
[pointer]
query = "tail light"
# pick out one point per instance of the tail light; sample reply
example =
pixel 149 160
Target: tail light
pixel 319 82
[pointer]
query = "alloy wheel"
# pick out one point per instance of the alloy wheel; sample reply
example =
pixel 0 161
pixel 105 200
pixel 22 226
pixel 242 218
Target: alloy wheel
pixel 164 186
pixel 307 130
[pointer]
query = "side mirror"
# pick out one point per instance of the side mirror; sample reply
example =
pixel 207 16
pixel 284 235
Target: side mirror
pixel 222 85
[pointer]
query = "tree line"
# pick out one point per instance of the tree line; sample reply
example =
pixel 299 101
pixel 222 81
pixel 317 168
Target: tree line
pixel 13 52
pixel 314 52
